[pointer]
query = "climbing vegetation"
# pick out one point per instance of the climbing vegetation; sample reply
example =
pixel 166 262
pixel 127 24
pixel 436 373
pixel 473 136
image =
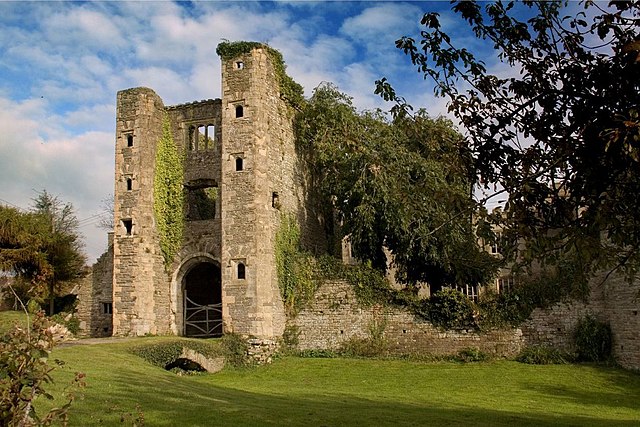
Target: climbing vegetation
pixel 293 266
pixel 300 273
pixel 290 91
pixel 168 196
pixel 402 183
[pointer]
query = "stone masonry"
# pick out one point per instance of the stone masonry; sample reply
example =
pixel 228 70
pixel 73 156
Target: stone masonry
pixel 241 174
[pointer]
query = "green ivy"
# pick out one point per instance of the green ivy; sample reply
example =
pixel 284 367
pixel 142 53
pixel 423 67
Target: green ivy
pixel 291 91
pixel 168 196
pixel 294 267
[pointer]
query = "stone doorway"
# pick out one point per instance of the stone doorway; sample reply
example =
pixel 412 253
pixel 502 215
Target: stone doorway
pixel 202 301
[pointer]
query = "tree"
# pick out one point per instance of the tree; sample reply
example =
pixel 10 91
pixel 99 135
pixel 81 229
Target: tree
pixel 393 184
pixel 22 241
pixel 106 215
pixel 562 138
pixel 63 246
pixel 41 247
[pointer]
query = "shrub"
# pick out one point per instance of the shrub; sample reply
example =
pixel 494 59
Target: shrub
pixel 501 310
pixel 236 350
pixel 318 353
pixel 593 340
pixel 541 355
pixel 69 321
pixel 362 347
pixel 449 308
pixel 24 372
pixel 291 337
pixel 472 355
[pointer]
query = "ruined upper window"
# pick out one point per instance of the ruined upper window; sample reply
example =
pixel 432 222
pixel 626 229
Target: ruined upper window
pixel 239 65
pixel 129 184
pixel 129 140
pixel 239 111
pixel 201 137
pixel 201 203
pixel 239 163
pixel 128 226
pixel 242 271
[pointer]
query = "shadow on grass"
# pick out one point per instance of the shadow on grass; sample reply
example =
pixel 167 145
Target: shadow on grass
pixel 616 389
pixel 167 400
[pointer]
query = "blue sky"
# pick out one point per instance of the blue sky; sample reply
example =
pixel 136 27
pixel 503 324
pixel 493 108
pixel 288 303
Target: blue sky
pixel 63 62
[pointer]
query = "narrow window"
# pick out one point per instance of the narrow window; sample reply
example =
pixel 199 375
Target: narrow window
pixel 129 140
pixel 275 200
pixel 495 247
pixel 202 138
pixel 128 226
pixel 239 65
pixel 211 135
pixel 241 271
pixel 192 138
pixel 239 111
pixel 239 163
pixel 129 184
pixel 107 308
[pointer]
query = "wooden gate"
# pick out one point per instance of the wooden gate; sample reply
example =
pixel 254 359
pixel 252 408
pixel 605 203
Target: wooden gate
pixel 202 321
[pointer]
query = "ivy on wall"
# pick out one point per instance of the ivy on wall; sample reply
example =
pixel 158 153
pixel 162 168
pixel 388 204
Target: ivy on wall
pixel 294 267
pixel 168 197
pixel 290 91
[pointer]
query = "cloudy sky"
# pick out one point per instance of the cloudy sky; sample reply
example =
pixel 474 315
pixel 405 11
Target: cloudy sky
pixel 63 62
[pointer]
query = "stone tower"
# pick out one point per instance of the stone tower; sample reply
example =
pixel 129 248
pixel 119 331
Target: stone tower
pixel 241 175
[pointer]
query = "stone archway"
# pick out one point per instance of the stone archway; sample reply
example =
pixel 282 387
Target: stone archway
pixel 202 299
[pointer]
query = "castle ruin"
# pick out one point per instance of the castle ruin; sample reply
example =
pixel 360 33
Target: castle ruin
pixel 241 174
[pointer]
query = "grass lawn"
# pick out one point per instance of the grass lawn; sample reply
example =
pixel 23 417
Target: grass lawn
pixel 10 318
pixel 347 392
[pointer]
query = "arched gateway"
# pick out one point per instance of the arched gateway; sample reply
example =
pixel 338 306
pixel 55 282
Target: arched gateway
pixel 202 300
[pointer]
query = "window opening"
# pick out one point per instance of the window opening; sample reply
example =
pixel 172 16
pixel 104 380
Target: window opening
pixel 201 203
pixel 505 284
pixel 239 65
pixel 241 271
pixel 107 308
pixel 129 184
pixel 275 200
pixel 495 247
pixel 239 111
pixel 192 138
pixel 129 140
pixel 128 226
pixel 210 131
pixel 471 291
pixel 239 163
pixel 202 138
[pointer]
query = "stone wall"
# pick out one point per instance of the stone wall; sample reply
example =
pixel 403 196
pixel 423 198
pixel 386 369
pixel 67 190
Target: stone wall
pixel 140 285
pixel 612 300
pixel 335 317
pixel 258 164
pixel 622 305
pixel 95 297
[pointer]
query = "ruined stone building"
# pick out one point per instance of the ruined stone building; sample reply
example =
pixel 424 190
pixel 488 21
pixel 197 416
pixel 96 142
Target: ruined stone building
pixel 241 174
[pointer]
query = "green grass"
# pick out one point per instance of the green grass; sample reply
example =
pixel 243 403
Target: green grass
pixel 344 392
pixel 10 318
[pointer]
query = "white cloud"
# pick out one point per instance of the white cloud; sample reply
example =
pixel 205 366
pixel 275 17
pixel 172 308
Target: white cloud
pixel 67 61
pixel 77 168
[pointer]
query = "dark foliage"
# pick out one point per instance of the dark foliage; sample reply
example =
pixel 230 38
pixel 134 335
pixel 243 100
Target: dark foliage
pixel 562 136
